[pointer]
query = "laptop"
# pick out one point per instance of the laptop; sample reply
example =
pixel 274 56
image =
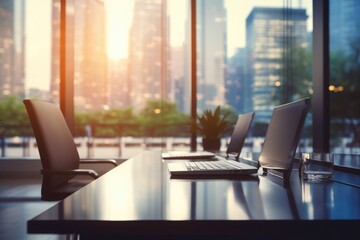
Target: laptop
pixel 279 147
pixel 233 151
pixel 234 147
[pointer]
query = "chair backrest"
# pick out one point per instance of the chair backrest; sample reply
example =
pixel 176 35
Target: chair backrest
pixel 55 142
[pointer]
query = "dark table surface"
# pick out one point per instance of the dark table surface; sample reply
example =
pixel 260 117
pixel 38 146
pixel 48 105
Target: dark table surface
pixel 140 199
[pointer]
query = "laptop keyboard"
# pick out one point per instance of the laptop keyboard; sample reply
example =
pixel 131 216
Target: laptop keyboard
pixel 209 165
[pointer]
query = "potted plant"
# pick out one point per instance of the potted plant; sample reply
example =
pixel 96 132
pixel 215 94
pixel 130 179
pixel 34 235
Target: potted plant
pixel 212 125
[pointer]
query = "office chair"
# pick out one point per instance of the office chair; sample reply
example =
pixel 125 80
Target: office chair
pixel 58 153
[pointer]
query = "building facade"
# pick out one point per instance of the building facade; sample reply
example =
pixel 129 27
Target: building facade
pixel 12 48
pixel 271 36
pixel 344 22
pixel 148 54
pixel 236 92
pixel 211 53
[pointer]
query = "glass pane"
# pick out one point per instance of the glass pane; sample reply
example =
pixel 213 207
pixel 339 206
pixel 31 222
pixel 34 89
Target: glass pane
pixel 28 32
pixel 344 76
pixel 129 73
pixel 252 56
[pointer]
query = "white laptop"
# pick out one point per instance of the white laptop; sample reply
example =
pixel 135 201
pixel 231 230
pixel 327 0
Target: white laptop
pixel 281 140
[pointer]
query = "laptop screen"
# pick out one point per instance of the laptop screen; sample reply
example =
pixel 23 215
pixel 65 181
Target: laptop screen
pixel 239 134
pixel 283 135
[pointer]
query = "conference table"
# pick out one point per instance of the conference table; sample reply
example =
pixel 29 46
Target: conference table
pixel 140 199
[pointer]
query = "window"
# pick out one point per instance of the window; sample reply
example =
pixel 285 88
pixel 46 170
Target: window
pixel 132 85
pixel 130 76
pixel 27 64
pixel 344 76
pixel 265 59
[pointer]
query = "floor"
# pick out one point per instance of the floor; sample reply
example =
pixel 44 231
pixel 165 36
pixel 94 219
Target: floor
pixel 19 202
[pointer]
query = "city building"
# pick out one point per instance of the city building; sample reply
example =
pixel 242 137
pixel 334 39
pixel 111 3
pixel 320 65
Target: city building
pixel 117 78
pixel 12 48
pixel 148 54
pixel 211 53
pixel 177 78
pixel 90 56
pixel 55 52
pixel 345 22
pixel 271 34
pixel 236 91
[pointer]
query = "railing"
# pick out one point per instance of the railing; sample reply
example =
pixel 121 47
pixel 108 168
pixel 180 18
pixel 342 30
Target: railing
pixel 125 140
pixel 19 141
pixel 22 134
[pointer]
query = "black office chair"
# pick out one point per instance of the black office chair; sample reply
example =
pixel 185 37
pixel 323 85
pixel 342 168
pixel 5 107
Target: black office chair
pixel 59 156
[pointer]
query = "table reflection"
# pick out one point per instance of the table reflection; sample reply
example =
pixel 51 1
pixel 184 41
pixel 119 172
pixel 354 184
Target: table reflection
pixel 246 195
pixel 143 189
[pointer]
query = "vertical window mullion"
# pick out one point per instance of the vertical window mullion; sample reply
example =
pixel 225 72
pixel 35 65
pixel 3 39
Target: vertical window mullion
pixel 320 99
pixel 193 73
pixel 67 61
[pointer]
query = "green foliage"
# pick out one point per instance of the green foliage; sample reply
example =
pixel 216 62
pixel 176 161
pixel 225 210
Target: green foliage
pixel 162 118
pixel 345 94
pixel 13 117
pixel 296 76
pixel 111 123
pixel 157 118
pixel 212 124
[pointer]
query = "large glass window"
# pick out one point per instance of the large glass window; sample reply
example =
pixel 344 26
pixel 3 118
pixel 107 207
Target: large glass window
pixel 133 84
pixel 344 83
pixel 132 67
pixel 252 56
pixel 29 38
pixel 130 76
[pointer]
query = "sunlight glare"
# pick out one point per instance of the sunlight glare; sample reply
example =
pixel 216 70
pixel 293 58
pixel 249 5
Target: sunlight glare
pixel 177 13
pixel 119 17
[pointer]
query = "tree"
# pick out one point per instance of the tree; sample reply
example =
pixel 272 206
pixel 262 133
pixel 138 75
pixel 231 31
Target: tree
pixel 162 118
pixel 345 93
pixel 296 80
pixel 13 117
pixel 296 76
pixel 109 123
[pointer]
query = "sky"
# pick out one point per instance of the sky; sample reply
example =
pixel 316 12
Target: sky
pixel 119 16
pixel 237 11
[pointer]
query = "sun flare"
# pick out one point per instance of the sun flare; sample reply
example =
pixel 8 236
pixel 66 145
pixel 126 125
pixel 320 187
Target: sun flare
pixel 119 17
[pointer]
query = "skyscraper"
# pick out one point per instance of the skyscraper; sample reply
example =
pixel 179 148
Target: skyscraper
pixel 271 35
pixel 90 60
pixel 90 57
pixel 211 53
pixel 117 77
pixel 55 52
pixel 148 48
pixel 12 48
pixel 177 78
pixel 345 23
pixel 236 92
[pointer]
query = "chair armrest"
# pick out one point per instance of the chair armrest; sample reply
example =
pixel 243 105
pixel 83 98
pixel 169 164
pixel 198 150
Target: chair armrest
pixel 109 161
pixel 88 172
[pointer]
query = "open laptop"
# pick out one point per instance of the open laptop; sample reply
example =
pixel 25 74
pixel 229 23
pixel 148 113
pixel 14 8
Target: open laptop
pixel 233 151
pixel 235 145
pixel 281 140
